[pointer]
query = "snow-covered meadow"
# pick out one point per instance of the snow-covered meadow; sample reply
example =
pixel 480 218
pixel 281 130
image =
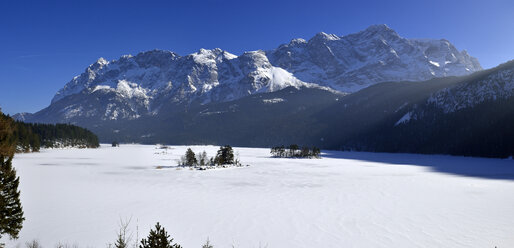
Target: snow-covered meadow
pixel 346 199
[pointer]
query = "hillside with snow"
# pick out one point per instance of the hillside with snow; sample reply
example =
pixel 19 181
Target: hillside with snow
pixel 295 94
pixel 143 85
pixel 377 54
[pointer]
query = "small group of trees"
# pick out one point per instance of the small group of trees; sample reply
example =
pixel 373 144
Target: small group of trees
pixel 224 156
pixel 294 151
pixel 157 238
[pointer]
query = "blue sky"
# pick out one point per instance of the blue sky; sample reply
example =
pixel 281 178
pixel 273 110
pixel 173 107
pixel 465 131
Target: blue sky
pixel 43 44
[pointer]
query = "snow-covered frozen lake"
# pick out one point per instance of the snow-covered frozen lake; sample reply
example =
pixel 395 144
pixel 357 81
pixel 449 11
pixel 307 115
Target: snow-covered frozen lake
pixel 346 199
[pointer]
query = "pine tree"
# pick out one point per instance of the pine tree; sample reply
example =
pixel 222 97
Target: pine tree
pixel 207 244
pixel 225 155
pixel 158 238
pixel 123 239
pixel 305 152
pixel 281 151
pixel 120 242
pixel 316 152
pixel 190 157
pixel 11 211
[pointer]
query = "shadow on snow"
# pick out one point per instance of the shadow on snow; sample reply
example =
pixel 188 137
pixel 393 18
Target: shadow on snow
pixel 489 168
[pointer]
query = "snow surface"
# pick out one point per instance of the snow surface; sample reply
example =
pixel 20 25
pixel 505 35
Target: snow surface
pixel 434 63
pixel 346 199
pixel 405 118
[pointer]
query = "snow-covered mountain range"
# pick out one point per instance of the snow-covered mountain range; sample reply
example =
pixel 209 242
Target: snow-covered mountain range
pixel 141 85
pixel 377 54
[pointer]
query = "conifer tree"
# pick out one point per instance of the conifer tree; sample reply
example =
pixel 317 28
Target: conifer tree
pixel 120 242
pixel 281 151
pixel 292 150
pixel 158 238
pixel 11 211
pixel 124 238
pixel 305 152
pixel 207 244
pixel 316 152
pixel 190 157
pixel 225 155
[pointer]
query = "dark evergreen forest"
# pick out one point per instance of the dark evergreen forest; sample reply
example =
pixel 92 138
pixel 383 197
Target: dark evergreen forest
pixel 32 136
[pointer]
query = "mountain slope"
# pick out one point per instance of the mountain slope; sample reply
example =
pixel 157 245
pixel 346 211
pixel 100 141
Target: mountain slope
pixel 470 115
pixel 132 87
pixel 144 85
pixel 377 54
pixel 287 95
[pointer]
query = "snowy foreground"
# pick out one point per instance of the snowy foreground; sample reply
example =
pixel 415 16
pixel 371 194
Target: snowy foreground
pixel 343 200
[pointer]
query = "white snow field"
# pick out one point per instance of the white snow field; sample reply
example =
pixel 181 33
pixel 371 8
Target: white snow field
pixel 345 199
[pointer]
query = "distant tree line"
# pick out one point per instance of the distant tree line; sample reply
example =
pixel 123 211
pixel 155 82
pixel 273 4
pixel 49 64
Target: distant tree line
pixel 30 137
pixel 294 151
pixel 224 156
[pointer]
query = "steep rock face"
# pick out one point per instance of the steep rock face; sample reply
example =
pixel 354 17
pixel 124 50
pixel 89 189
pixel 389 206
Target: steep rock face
pixel 142 85
pixel 377 54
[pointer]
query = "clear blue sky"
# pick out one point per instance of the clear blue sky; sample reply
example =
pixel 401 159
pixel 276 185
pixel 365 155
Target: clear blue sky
pixel 43 44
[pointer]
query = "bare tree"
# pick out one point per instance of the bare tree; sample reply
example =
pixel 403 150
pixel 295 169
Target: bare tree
pixel 124 236
pixel 202 158
pixel 64 245
pixel 33 244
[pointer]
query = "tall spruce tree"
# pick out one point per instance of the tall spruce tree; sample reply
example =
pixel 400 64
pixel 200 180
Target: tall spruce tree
pixel 225 155
pixel 190 157
pixel 158 238
pixel 11 211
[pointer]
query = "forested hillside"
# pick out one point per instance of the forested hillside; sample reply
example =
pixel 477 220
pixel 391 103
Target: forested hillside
pixel 470 116
pixel 33 136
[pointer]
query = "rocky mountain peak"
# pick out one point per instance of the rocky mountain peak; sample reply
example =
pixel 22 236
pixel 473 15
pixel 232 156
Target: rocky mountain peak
pixel 142 84
pixel 322 36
